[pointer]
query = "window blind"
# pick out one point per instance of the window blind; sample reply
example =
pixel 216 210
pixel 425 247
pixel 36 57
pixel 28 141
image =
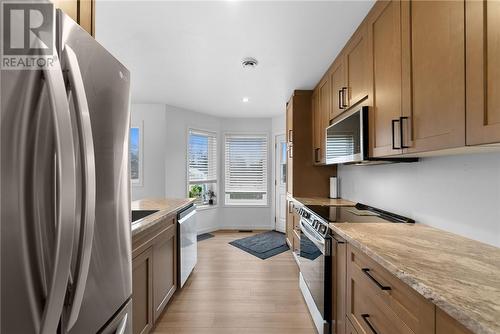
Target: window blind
pixel 246 164
pixel 202 156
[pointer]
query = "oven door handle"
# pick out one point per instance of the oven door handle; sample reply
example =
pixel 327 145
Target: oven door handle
pixel 320 243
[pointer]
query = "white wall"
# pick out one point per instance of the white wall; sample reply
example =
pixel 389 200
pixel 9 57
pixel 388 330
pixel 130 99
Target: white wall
pixel 460 194
pixel 152 118
pixel 178 121
pixel 169 133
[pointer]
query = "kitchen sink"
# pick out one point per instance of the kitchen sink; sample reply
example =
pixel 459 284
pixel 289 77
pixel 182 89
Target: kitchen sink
pixel 139 214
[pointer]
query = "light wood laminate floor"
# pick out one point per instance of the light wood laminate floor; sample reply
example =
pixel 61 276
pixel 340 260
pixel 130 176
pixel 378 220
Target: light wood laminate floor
pixel 233 292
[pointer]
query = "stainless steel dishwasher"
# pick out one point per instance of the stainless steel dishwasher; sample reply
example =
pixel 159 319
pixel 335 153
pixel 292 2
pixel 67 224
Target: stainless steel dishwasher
pixel 188 246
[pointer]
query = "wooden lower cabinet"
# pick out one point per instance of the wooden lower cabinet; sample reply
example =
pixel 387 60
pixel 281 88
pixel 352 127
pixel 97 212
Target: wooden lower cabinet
pixel 142 292
pixel 289 223
pixel 154 273
pixel 349 329
pixel 164 269
pixel 447 325
pixel 377 301
pixel 339 290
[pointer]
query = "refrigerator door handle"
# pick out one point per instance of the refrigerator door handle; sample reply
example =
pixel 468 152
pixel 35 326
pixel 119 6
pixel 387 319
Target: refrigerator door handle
pixel 86 143
pixel 66 198
pixel 123 325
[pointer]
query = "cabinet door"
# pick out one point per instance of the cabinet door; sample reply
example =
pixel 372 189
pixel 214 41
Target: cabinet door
pixel 433 75
pixel 289 147
pixel 337 79
pixel 86 15
pixel 355 62
pixel 447 325
pixel 384 36
pixel 316 123
pixel 483 71
pixel 325 104
pixel 349 328
pixel 339 292
pixel 289 121
pixel 142 292
pixel 164 267
pixel 289 224
pixel 81 11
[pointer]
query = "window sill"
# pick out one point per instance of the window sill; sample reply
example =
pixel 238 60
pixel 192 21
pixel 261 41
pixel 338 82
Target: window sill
pixel 239 206
pixel 206 207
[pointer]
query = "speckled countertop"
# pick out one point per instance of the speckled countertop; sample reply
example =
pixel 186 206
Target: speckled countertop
pixel 325 201
pixel 166 206
pixel 459 275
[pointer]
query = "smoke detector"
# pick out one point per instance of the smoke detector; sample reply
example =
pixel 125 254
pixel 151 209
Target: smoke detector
pixel 249 62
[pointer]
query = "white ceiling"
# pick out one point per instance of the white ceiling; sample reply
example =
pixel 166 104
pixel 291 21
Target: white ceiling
pixel 188 54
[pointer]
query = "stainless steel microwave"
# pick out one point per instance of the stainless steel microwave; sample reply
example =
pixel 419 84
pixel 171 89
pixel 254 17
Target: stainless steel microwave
pixel 347 141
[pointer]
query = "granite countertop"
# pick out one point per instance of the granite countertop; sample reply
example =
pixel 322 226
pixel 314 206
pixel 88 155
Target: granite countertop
pixel 325 201
pixel 459 275
pixel 166 206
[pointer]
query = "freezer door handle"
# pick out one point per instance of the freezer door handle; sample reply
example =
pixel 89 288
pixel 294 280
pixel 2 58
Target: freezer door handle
pixel 86 143
pixel 65 202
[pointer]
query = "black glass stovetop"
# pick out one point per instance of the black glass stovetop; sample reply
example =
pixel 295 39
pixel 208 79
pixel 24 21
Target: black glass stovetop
pixel 359 213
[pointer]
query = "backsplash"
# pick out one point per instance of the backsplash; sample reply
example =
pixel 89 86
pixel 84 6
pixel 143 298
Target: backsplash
pixel 460 194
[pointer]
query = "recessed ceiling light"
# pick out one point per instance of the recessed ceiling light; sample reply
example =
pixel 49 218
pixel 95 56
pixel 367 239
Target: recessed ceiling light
pixel 249 62
pixel 245 99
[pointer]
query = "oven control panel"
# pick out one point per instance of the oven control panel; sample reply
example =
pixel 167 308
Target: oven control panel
pixel 313 220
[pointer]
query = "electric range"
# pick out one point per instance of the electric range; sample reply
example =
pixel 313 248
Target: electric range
pixel 318 250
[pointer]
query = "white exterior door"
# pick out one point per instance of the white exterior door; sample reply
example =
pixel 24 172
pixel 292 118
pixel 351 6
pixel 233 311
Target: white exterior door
pixel 280 182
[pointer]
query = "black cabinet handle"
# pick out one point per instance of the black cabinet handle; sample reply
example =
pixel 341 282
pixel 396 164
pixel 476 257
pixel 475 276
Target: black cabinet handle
pixel 345 97
pixel 366 271
pixel 365 318
pixel 341 104
pixel 290 136
pixel 401 131
pixel 394 121
pixel 316 155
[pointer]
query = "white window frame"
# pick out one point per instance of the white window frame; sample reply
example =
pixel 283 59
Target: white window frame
pixel 139 182
pixel 217 163
pixel 248 203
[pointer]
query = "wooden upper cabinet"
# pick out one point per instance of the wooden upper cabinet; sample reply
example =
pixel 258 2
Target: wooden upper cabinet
pixel 384 68
pixel 355 56
pixel 316 123
pixel 289 121
pixel 289 146
pixel 337 82
pixel 81 11
pixel 433 75
pixel 483 72
pixel 323 116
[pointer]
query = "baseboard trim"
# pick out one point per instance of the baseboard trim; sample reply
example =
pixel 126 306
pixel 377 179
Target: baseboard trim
pixel 235 229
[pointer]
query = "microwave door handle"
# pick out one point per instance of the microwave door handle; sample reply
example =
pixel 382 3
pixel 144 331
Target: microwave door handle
pixel 89 186
pixel 66 198
pixel 401 131
pixel 341 104
pixel 393 128
pixel 345 97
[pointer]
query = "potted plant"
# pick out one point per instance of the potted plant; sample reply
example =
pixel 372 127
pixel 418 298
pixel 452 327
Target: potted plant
pixel 211 195
pixel 195 191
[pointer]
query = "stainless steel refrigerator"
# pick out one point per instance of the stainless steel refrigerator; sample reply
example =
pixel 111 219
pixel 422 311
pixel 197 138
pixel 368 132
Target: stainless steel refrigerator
pixel 65 194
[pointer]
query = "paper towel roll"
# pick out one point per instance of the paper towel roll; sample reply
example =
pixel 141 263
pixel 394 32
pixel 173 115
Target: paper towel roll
pixel 334 191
